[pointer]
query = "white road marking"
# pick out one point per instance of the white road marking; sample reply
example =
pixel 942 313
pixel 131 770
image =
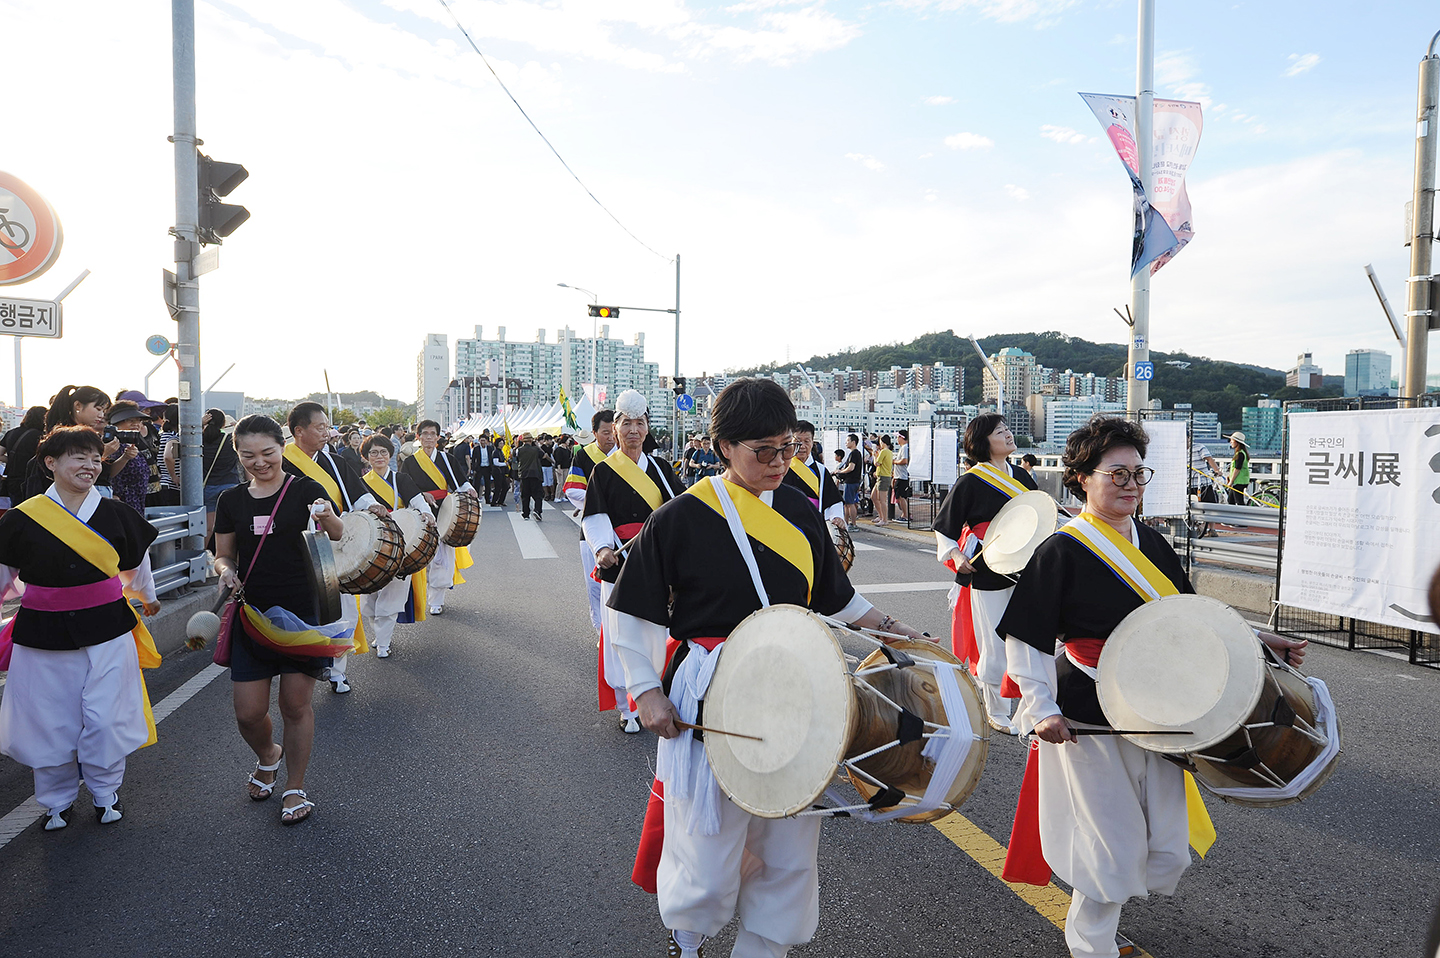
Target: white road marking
pixel 24 814
pixel 532 542
pixel 865 546
pixel 878 587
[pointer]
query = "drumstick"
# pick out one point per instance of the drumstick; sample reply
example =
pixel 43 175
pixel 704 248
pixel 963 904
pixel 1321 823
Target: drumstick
pixel 1126 731
pixel 715 731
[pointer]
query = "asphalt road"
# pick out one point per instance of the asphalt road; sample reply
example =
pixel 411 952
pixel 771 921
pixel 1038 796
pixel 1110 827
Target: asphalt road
pixel 473 802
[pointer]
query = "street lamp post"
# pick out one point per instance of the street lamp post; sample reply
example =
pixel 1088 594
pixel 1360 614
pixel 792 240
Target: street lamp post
pixel 804 372
pixel 594 338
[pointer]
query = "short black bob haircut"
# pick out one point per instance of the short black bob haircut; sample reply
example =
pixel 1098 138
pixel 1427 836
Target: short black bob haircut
pixel 750 408
pixel 301 416
pixel 259 424
pixel 1089 444
pixel 64 440
pixel 977 436
pixel 376 441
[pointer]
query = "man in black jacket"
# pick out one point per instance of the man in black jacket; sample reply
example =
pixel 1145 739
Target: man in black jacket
pixel 527 464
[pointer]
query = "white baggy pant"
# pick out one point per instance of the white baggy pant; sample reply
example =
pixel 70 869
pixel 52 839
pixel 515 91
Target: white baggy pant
pixel 986 610
pixel 350 615
pixel 614 670
pixel 704 879
pixel 380 610
pixel 440 576
pixel 78 707
pixel 592 588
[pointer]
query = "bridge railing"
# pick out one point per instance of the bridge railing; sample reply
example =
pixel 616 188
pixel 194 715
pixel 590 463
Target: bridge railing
pixel 173 564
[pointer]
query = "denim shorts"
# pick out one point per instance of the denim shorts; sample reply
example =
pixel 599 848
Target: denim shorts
pixel 851 492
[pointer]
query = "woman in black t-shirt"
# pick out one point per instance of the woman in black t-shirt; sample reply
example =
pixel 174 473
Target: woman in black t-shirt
pixel 280 578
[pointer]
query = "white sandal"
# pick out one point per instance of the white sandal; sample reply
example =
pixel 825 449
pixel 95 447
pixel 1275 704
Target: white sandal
pixel 294 810
pixel 269 787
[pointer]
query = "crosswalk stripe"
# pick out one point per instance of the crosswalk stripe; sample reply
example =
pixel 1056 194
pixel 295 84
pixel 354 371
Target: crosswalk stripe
pixel 532 542
pixel 876 587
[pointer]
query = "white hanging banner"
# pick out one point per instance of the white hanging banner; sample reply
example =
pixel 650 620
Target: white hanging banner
pixel 1167 494
pixel 1362 519
pixel 947 456
pixel 921 452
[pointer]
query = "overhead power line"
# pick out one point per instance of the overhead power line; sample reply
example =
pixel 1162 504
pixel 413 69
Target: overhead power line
pixel 588 191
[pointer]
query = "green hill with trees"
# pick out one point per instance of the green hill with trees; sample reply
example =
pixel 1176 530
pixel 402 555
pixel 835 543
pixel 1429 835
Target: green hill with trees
pixel 1210 385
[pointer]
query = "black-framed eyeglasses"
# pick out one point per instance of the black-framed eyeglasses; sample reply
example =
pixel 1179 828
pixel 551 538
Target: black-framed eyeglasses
pixel 767 454
pixel 1122 476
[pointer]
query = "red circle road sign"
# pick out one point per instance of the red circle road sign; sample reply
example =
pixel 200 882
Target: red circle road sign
pixel 30 233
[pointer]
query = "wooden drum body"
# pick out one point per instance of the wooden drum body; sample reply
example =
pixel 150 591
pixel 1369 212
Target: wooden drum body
pixel 1262 733
pixel 782 676
pixel 458 519
pixel 369 552
pixel 844 545
pixel 421 540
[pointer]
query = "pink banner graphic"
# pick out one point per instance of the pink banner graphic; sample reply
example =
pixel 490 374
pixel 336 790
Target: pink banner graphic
pixel 1176 131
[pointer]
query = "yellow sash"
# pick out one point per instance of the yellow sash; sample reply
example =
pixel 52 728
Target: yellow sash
pixel 1001 481
pixel 594 452
pixel 92 547
pixel 386 493
pixel 312 470
pixel 418 584
pixel 807 475
pixel 636 479
pixel 1136 570
pixel 765 525
pixel 462 561
pixel 427 466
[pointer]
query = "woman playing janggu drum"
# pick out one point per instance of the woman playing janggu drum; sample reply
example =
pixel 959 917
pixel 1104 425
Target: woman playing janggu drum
pixel 687 575
pixel 1111 816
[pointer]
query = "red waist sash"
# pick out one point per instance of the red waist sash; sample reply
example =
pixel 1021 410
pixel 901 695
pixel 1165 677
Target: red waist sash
pixel 439 494
pixel 1085 651
pixel 627 531
pixel 71 598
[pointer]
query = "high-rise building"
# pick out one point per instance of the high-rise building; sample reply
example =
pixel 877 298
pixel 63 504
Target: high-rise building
pixel 1064 416
pixel 1367 372
pixel 432 377
pixel 1017 371
pixel 538 369
pixel 1262 425
pixel 1305 375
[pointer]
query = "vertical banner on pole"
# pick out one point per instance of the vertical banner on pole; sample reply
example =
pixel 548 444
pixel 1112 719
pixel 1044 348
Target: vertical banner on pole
pixel 1362 522
pixel 1177 126
pixel 946 456
pixel 1167 493
pixel 921 452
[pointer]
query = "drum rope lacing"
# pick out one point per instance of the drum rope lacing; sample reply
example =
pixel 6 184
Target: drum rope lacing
pixel 948 747
pixel 1280 789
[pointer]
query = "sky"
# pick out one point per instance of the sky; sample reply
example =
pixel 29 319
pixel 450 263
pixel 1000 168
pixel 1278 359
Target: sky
pixel 833 174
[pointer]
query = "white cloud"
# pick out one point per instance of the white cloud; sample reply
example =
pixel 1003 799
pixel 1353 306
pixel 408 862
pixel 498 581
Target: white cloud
pixel 1175 74
pixel 939 100
pixel 779 38
pixel 969 141
pixel 1016 192
pixel 1064 134
pixel 1044 13
pixel 1300 64
pixel 867 161
pixel 926 156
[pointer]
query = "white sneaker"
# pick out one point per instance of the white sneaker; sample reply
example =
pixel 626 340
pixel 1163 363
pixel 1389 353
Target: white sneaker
pixel 437 610
pixel 339 686
pixel 631 725
pixel 58 819
pixel 382 653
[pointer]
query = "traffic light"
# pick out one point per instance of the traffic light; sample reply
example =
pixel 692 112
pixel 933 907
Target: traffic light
pixel 218 220
pixel 679 385
pixel 604 312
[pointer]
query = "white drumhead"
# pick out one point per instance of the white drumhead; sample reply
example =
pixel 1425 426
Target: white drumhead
pixel 781 676
pixel 1182 662
pixel 448 515
pixel 357 544
pixel 1017 531
pixel 412 526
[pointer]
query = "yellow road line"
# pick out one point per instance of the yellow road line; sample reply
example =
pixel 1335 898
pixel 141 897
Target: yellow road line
pixel 1049 901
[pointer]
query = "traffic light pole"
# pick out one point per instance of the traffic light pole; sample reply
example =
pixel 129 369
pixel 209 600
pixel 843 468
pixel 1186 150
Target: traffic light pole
pixel 187 244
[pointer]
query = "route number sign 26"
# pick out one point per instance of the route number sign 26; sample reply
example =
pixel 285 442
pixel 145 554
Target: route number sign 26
pixel 1144 371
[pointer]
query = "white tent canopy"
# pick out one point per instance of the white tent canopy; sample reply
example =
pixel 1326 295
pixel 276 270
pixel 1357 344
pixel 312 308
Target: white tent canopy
pixel 535 419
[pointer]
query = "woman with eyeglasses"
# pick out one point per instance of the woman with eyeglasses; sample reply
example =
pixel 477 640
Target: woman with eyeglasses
pixel 1111 816
pixel 688 575
pixel 625 488
pixel 979 597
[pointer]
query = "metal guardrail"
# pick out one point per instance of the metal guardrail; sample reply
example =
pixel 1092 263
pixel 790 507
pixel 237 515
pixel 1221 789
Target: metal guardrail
pixel 1250 539
pixel 173 565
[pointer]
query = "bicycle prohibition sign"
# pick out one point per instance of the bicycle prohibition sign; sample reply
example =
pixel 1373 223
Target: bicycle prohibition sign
pixel 8 231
